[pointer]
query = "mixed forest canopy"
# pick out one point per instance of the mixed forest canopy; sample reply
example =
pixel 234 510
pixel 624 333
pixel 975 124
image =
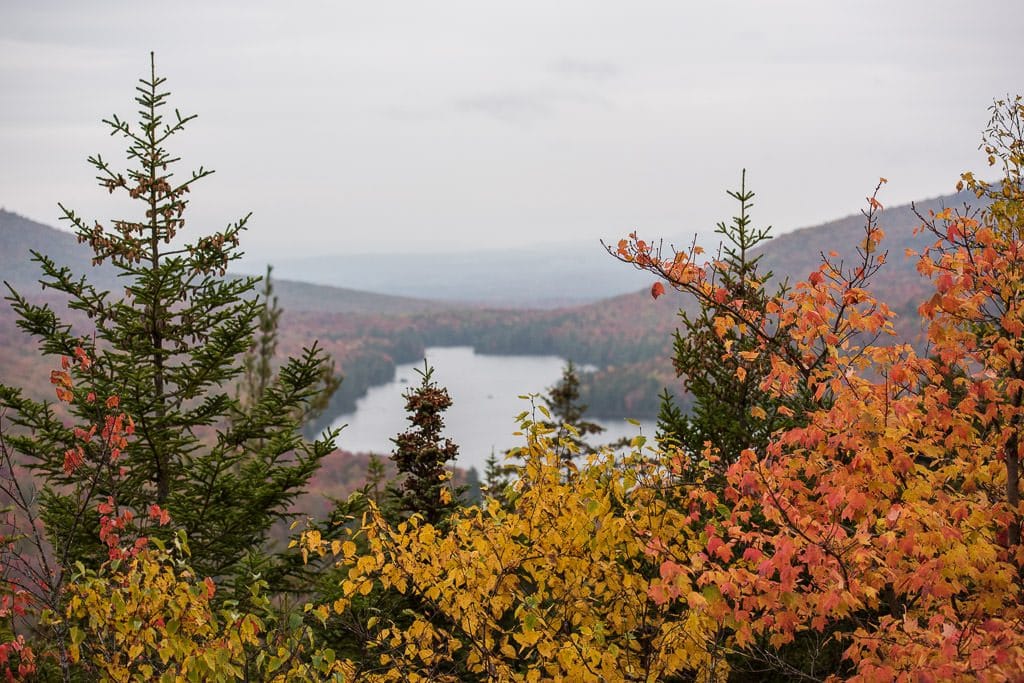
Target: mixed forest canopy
pixel 835 503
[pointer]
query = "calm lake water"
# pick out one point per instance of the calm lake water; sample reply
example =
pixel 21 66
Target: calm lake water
pixel 484 391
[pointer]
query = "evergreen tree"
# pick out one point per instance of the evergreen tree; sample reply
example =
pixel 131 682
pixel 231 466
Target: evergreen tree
pixel 169 348
pixel 710 357
pixel 421 453
pixel 723 380
pixel 563 403
pixel 259 359
pixel 473 487
pixel 376 475
pixel 496 477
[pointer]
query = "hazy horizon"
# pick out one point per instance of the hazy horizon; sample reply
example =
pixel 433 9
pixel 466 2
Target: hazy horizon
pixel 459 127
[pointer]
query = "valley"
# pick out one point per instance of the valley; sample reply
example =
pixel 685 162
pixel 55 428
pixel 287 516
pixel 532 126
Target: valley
pixel 625 338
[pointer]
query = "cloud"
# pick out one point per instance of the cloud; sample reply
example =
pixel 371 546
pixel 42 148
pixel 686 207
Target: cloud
pixel 527 106
pixel 586 69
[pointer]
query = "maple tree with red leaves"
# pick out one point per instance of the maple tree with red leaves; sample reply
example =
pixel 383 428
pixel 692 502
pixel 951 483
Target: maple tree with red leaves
pixel 894 511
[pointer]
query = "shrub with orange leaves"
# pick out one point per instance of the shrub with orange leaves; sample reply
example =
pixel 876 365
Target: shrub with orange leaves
pixel 889 521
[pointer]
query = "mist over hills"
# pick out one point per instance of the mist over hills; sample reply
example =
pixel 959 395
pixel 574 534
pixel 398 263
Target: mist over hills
pixel 539 277
pixel 570 274
pixel 527 277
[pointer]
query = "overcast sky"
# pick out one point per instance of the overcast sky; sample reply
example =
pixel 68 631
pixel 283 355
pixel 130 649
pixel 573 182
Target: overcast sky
pixel 402 126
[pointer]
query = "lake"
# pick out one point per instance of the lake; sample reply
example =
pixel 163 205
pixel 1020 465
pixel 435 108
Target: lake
pixel 484 391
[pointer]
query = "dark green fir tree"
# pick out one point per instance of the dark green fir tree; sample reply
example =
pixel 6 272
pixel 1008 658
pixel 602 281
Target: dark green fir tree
pixel 422 454
pixel 169 342
pixel 497 477
pixel 259 359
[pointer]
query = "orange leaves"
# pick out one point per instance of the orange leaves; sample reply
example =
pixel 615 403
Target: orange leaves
pixel 678 270
pixel 718 548
pixel 63 385
pixel 623 249
pixel 61 379
pixel 82 358
pixel 721 326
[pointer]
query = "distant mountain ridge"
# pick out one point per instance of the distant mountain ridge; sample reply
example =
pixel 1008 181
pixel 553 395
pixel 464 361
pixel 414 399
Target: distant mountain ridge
pixel 527 277
pixel 20 235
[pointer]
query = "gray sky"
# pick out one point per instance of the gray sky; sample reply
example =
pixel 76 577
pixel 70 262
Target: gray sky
pixel 401 126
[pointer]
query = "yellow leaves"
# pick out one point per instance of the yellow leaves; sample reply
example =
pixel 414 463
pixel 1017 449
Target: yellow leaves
pixel 526 638
pixel 310 540
pixel 148 618
pixel 721 325
pixel 553 587
pixel 427 535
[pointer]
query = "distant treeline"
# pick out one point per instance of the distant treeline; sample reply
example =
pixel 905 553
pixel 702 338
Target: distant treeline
pixel 624 339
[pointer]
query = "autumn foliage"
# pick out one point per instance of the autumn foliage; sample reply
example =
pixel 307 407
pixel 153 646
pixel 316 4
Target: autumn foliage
pixel 888 521
pixel 871 531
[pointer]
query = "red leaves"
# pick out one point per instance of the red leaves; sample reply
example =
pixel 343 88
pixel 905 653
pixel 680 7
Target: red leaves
pixel 716 547
pixel 73 459
pixel 100 445
pixel 657 289
pixel 159 515
pixel 61 379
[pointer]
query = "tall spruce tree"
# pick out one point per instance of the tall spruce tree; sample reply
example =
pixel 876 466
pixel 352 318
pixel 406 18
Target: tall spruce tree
pixel 713 360
pixel 169 345
pixel 258 363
